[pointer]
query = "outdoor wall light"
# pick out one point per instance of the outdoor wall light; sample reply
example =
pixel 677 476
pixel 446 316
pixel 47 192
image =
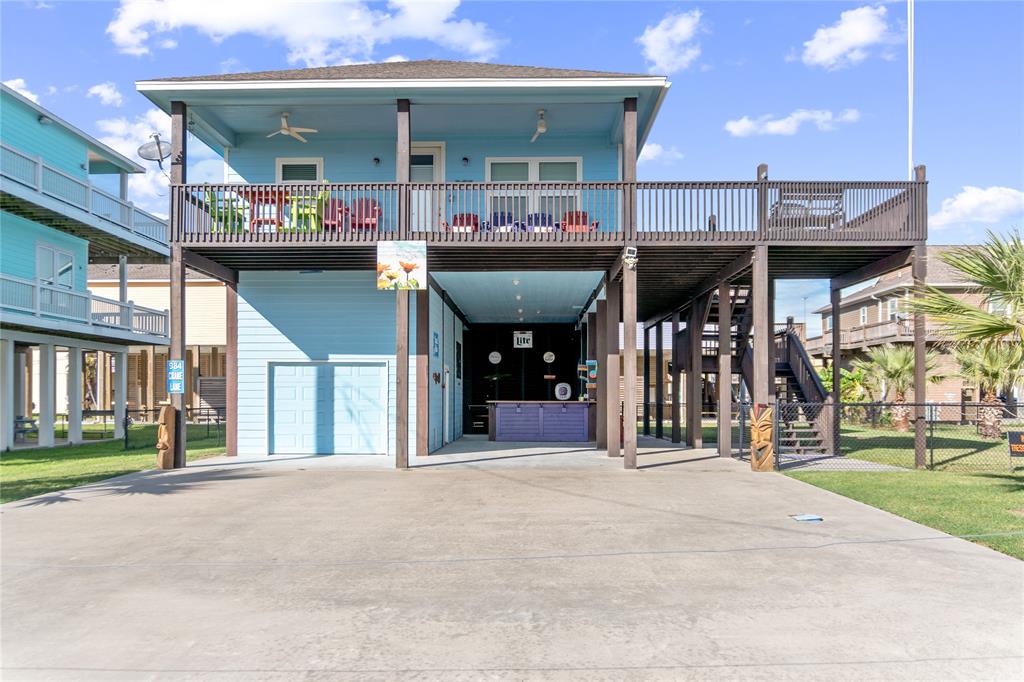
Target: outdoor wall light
pixel 376 161
pixel 515 282
pixel 465 160
pixel 520 311
pixel 519 297
pixel 44 119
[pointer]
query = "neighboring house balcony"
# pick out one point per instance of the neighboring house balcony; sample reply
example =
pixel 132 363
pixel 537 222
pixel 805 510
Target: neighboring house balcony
pixel 33 189
pixel 35 305
pixel 868 335
pixel 779 212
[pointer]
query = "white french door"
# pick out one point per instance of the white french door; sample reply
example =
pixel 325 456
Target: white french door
pixel 426 165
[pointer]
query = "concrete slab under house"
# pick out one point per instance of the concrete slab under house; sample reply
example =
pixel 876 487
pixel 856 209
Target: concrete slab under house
pixel 519 183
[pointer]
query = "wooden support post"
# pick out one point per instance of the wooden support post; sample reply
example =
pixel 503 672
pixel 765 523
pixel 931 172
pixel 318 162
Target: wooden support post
pixel 403 152
pixel 402 379
pixel 74 391
pixel 613 409
pixel 629 365
pixel 629 158
pixel 647 380
pixel 771 350
pixel 601 322
pixel 101 380
pixel 659 380
pixel 763 342
pixel 423 373
pixel 231 370
pixel 677 393
pixel 47 389
pixel 695 381
pixel 176 349
pixel 724 370
pixel 150 353
pixel 179 144
pixel 8 409
pixel 837 371
pixel 120 392
pixel 919 271
pixel 196 374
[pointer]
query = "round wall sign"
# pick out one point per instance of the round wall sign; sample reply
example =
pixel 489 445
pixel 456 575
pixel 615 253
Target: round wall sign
pixel 494 357
pixel 563 391
pixel 549 357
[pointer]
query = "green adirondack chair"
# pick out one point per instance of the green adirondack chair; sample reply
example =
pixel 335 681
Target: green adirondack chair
pixel 307 211
pixel 226 212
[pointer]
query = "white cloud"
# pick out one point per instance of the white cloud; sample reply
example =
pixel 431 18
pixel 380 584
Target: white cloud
pixel 51 89
pixel 21 87
pixel 149 190
pixel 107 92
pixel 849 40
pixel 656 153
pixel 766 125
pixel 669 46
pixel 315 33
pixel 988 205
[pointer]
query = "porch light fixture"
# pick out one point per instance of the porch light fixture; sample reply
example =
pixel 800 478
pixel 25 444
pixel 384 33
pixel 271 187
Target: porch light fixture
pixel 44 120
pixel 376 161
pixel 519 297
pixel 515 282
pixel 465 160
pixel 520 311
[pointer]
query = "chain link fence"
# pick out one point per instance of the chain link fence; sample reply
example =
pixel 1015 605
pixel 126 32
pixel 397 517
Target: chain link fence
pixel 205 428
pixel 881 436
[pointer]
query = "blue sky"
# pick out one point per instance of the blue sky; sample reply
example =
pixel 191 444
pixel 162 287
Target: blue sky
pixel 814 89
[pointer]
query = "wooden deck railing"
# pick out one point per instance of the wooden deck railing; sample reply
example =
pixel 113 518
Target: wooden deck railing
pixel 112 213
pixel 46 301
pixel 771 211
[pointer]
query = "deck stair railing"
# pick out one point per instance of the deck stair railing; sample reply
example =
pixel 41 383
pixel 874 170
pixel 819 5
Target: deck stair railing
pixel 47 301
pixel 35 173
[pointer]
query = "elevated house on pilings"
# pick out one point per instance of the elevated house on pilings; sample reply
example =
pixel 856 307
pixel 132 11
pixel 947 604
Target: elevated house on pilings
pixel 521 182
pixel 64 204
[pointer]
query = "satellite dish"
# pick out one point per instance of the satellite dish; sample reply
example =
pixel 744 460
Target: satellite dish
pixel 157 150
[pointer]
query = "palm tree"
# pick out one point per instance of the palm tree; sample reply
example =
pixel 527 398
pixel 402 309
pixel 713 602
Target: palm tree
pixel 997 269
pixel 894 368
pixel 993 367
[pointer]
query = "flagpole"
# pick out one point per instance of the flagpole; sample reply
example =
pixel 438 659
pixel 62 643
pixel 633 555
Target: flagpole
pixel 910 89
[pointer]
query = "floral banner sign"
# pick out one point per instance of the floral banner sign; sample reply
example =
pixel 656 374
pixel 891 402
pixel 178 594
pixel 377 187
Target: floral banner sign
pixel 402 265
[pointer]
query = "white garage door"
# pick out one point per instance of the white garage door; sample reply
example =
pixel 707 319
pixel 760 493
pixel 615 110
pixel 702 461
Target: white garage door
pixel 326 408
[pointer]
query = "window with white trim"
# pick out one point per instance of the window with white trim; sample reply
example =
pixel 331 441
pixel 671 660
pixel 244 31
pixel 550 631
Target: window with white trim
pixel 308 169
pixel 826 322
pixel 998 307
pixel 54 266
pixel 863 315
pixel 521 202
pixel 892 308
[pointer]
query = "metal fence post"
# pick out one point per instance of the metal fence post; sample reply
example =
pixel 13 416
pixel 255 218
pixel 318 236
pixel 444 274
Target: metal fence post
pixel 931 438
pixel 777 456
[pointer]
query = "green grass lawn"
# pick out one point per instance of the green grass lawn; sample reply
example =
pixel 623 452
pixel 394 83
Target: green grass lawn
pixel 955 503
pixel 24 473
pixel 950 446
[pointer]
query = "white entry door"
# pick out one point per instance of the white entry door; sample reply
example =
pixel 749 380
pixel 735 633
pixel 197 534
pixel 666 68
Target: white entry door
pixel 426 165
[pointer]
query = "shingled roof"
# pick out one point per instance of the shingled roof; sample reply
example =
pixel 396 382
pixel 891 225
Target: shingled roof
pixel 427 69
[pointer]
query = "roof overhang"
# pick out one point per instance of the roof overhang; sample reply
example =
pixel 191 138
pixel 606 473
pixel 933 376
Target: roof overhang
pixel 114 160
pixel 203 97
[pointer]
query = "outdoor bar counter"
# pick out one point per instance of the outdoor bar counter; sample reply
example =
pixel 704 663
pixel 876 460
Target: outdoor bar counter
pixel 541 420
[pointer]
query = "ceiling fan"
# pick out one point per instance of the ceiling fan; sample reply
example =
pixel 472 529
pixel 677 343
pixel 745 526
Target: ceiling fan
pixel 542 126
pixel 290 131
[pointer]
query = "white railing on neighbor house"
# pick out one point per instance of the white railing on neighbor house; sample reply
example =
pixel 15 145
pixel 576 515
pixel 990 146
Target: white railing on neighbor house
pixel 33 172
pixel 47 301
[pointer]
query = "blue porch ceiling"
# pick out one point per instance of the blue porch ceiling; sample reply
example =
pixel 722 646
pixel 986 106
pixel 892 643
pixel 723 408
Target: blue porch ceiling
pixel 490 297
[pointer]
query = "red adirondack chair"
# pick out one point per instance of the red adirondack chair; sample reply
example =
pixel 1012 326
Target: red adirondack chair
pixel 365 214
pixel 578 221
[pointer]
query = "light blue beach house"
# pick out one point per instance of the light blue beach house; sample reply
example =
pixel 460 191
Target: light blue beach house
pixel 519 185
pixel 56 337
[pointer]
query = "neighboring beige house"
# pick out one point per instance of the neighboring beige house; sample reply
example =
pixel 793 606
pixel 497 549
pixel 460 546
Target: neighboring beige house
pixel 205 331
pixel 876 315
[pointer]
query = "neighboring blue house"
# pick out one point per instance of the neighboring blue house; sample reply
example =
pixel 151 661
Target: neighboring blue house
pixel 521 184
pixel 53 222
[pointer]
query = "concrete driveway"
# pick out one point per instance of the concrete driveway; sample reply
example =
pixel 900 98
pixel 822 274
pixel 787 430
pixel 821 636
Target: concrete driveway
pixel 518 563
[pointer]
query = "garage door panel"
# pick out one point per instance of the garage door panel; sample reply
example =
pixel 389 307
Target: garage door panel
pixel 328 408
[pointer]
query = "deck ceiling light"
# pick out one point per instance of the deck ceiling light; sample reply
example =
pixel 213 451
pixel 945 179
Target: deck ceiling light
pixel 520 311
pixel 515 282
pixel 519 297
